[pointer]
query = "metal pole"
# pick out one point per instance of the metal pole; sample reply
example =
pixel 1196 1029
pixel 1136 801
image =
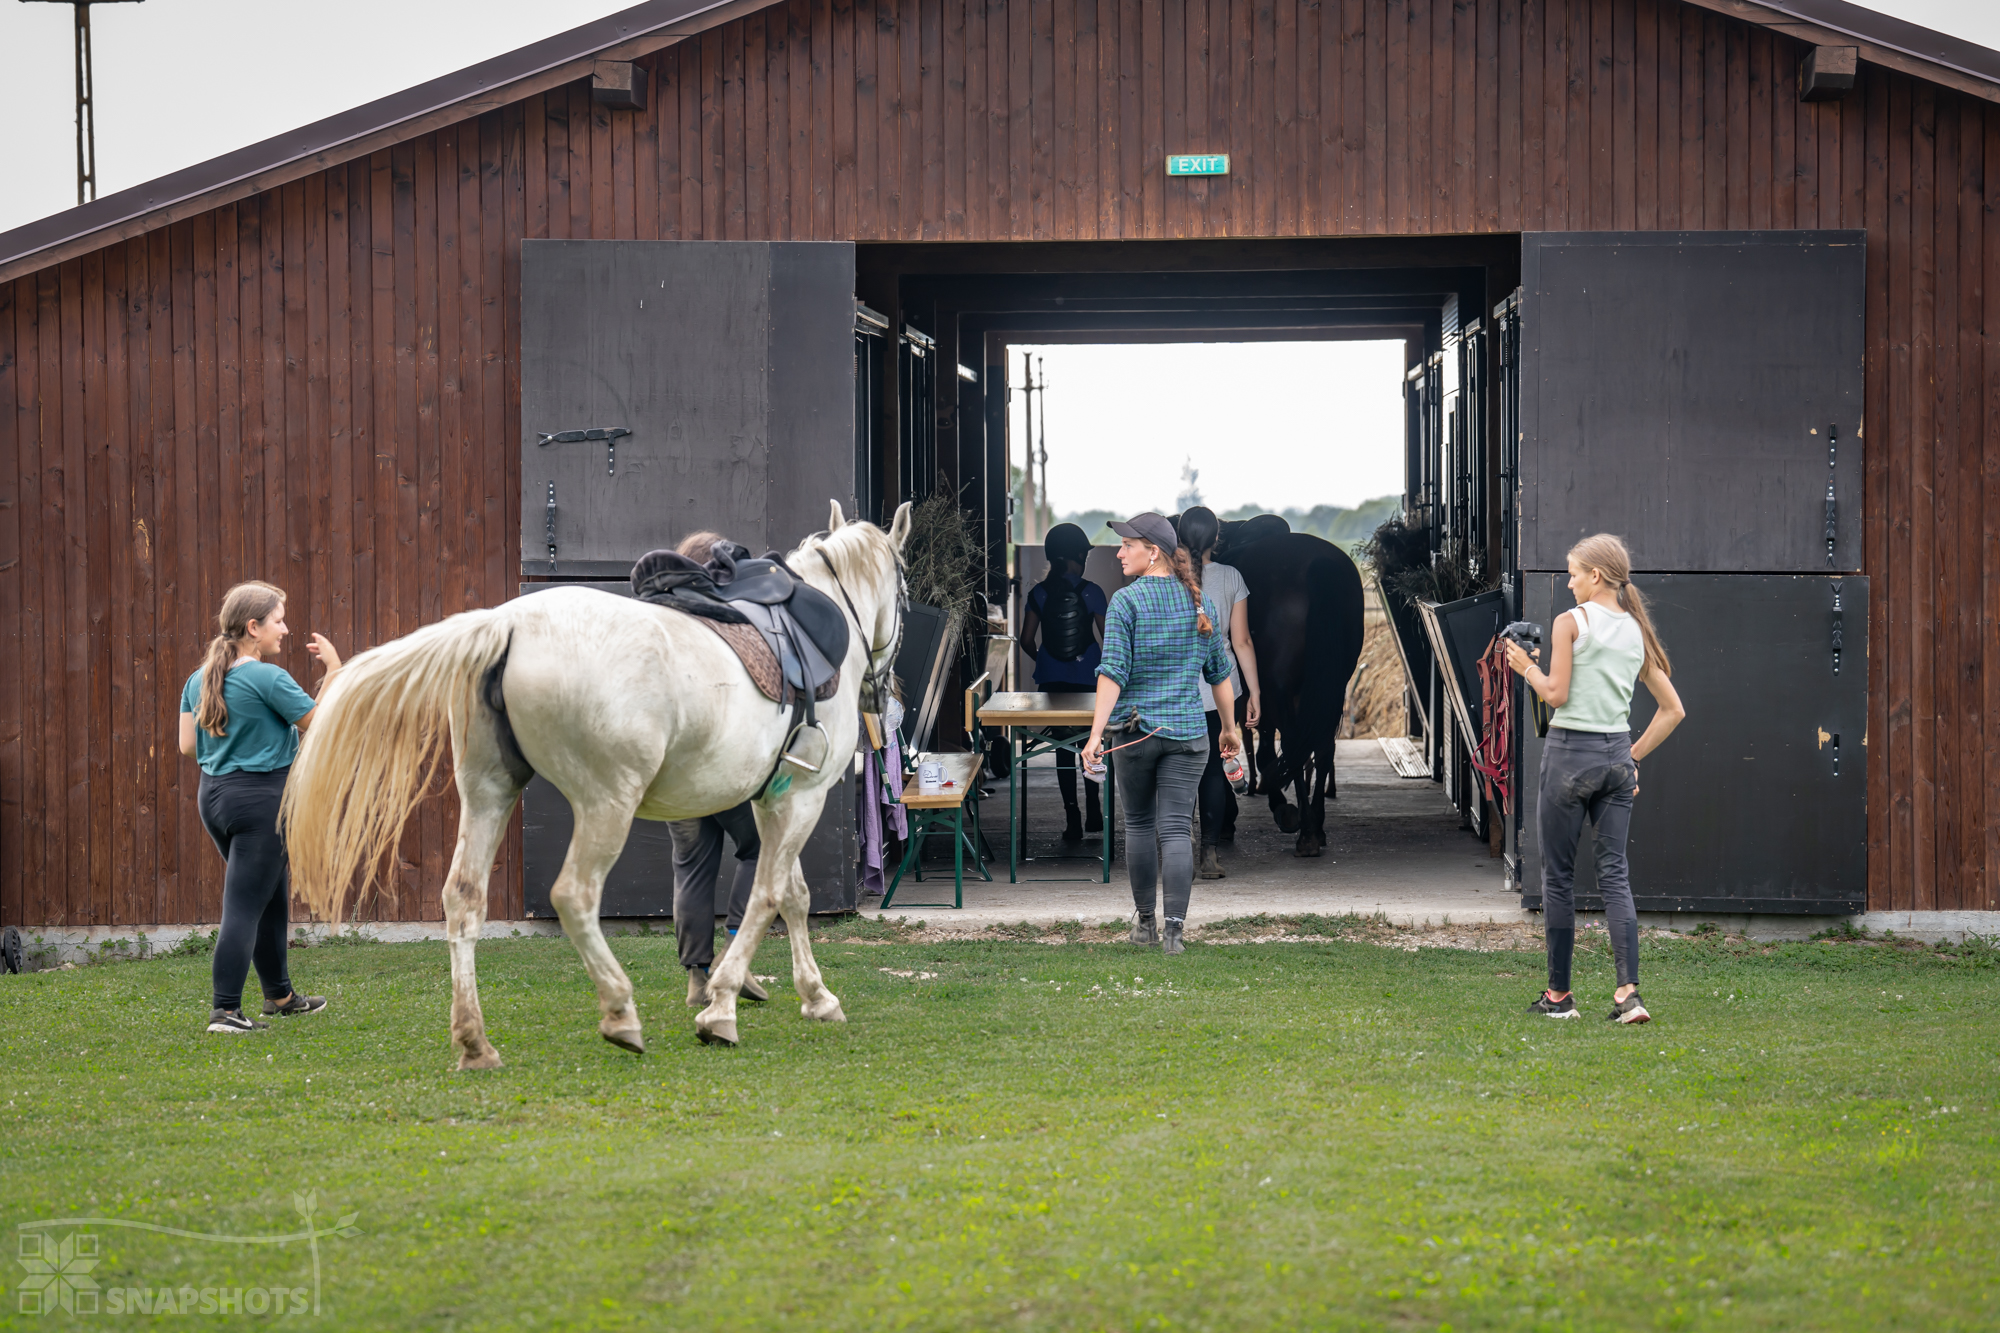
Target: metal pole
pixel 1042 447
pixel 86 98
pixel 86 112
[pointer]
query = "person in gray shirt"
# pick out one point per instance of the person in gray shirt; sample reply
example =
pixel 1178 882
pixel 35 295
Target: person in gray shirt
pixel 1223 586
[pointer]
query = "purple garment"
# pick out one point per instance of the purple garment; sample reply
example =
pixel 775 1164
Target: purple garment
pixel 879 810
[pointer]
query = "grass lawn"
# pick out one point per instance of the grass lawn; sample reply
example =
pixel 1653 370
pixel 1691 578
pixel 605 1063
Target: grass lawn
pixel 1015 1135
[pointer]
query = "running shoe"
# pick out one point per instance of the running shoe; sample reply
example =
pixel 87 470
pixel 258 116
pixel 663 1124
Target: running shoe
pixel 1629 1010
pixel 1143 931
pixel 297 1004
pixel 1563 1008
pixel 233 1022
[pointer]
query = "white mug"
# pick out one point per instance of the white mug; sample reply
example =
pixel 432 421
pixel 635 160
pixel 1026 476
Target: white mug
pixel 930 775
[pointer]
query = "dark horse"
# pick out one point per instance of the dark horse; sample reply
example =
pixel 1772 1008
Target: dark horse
pixel 1305 619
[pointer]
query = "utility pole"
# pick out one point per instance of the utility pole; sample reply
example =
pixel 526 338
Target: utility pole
pixel 1035 454
pixel 86 100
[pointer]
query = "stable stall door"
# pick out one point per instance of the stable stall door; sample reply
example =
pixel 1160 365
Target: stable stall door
pixel 1700 395
pixel 667 387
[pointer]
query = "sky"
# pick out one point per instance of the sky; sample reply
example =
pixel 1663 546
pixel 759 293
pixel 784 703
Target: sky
pixel 1278 425
pixel 181 81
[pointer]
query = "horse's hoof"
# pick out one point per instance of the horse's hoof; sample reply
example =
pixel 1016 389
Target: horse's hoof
pixel 486 1059
pixel 1287 817
pixel 1307 849
pixel 626 1039
pixel 831 1014
pixel 716 1034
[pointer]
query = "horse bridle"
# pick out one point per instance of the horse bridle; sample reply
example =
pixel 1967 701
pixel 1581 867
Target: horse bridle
pixel 876 685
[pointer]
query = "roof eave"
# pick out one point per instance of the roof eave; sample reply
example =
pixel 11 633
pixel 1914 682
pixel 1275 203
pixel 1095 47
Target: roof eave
pixel 355 133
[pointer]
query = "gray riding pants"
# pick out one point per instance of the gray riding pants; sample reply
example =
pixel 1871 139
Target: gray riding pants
pixel 1157 780
pixel 1587 776
pixel 697 865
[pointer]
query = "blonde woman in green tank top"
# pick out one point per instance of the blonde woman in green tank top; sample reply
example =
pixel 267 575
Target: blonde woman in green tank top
pixel 1590 763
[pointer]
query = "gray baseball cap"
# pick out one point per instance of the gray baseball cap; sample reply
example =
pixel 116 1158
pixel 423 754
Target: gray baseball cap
pixel 1149 527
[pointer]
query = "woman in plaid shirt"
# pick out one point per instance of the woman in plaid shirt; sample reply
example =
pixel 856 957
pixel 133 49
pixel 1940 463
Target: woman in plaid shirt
pixel 1160 639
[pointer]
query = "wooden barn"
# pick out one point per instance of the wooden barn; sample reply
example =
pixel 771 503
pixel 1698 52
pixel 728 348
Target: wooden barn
pixel 1709 272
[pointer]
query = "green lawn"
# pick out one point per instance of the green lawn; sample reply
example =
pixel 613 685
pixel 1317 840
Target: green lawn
pixel 1026 1136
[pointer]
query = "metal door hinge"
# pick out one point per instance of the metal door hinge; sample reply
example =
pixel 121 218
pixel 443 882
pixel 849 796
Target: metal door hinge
pixel 608 434
pixel 1832 504
pixel 550 517
pixel 1839 626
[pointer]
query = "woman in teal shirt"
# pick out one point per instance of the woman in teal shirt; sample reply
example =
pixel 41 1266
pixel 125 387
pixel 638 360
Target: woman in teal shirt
pixel 240 718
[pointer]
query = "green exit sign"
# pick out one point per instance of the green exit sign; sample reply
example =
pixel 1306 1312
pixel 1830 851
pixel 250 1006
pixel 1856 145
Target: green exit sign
pixel 1198 164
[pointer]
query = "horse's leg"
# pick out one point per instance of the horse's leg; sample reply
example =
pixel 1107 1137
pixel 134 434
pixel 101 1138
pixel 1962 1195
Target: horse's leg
pixel 1278 775
pixel 1312 836
pixel 1302 779
pixel 485 802
pixel 593 849
pixel 778 879
pixel 815 1000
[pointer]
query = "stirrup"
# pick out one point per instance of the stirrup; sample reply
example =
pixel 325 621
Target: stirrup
pixel 794 753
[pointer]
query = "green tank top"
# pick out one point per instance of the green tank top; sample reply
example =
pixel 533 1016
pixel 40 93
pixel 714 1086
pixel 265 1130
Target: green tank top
pixel 1605 663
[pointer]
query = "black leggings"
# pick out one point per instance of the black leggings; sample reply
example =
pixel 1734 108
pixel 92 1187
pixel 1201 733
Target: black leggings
pixel 1214 792
pixel 240 811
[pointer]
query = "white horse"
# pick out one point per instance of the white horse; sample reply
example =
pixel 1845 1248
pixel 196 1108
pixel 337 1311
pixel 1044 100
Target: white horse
pixel 631 710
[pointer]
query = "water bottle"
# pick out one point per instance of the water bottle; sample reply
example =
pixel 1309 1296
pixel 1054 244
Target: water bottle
pixel 1238 775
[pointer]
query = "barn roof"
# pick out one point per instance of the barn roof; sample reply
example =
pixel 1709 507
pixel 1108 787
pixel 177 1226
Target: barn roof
pixel 656 24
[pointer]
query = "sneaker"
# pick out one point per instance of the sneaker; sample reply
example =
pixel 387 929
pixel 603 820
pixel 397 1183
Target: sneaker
pixel 1629 1010
pixel 698 989
pixel 297 1004
pixel 1143 931
pixel 1563 1008
pixel 1172 943
pixel 232 1021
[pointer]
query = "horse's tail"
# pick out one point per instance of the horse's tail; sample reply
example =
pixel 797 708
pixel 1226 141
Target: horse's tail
pixel 373 750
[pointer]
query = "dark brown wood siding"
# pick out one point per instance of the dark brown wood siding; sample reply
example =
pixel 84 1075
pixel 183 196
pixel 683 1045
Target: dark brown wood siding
pixel 319 385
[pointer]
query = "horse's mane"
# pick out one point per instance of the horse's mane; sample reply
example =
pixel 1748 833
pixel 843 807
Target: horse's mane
pixel 858 550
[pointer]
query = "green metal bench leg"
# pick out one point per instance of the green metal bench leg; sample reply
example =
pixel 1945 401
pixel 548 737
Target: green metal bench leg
pixel 909 855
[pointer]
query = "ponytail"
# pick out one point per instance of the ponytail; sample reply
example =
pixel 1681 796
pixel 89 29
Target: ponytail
pixel 240 605
pixel 1613 562
pixel 1189 573
pixel 1633 603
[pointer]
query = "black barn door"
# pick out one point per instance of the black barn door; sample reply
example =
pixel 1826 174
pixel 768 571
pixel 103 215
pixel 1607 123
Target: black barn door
pixel 670 386
pixel 1700 394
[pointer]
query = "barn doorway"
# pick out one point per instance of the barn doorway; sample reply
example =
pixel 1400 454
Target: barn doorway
pixel 1305 435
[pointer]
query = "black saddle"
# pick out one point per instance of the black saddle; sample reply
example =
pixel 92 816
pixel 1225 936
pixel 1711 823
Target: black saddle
pixel 805 628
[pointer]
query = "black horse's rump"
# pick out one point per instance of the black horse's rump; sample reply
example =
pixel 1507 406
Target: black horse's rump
pixel 1305 613
pixel 493 694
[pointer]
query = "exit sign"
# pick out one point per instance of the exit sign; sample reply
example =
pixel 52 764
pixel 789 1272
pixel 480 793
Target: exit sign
pixel 1198 164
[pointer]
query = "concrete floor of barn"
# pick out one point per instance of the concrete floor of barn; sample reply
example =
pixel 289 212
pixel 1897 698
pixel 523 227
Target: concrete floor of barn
pixel 1394 849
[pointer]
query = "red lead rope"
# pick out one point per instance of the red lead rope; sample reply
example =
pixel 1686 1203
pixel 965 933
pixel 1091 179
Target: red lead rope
pixel 1494 755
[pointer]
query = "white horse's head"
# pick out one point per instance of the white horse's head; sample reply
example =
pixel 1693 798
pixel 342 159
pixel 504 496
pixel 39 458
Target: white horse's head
pixel 867 566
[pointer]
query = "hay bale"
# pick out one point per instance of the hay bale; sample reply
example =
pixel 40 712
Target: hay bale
pixel 1375 694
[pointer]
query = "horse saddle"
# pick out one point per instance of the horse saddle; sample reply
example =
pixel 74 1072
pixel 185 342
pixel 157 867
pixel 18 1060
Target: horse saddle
pixel 790 636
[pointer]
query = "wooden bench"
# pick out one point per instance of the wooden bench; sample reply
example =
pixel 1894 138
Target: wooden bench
pixel 943 811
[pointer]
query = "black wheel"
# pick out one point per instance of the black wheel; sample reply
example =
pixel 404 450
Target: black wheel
pixel 10 950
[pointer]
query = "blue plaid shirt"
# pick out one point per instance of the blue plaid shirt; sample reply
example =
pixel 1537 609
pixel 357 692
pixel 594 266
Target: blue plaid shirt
pixel 1155 653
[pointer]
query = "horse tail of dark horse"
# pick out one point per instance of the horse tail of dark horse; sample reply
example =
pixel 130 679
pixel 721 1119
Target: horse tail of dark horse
pixel 1333 647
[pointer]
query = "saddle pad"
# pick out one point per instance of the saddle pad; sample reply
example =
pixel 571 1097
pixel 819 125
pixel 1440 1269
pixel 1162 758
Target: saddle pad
pixel 751 648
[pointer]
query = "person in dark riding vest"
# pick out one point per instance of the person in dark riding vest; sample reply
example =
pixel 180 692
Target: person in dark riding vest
pixel 1063 626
